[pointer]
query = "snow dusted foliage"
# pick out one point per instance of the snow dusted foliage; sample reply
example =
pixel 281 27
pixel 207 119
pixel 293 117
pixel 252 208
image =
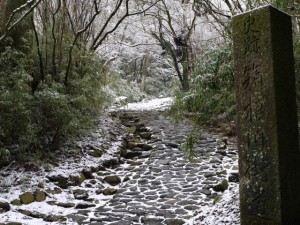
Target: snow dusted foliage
pixel 135 52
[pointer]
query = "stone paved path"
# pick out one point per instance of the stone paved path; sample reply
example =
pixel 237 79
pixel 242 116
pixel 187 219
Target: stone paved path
pixel 159 186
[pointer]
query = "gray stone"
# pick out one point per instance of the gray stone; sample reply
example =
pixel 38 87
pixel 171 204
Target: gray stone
pixel 215 160
pixel 190 189
pixel 205 191
pixel 53 218
pixel 84 205
pixel 167 195
pixel 209 174
pixel 132 154
pixel 80 194
pixel 174 222
pixel 181 212
pixel 37 215
pixel 186 202
pixel 66 204
pixel 145 147
pixel 267 117
pixel 109 191
pixel 24 212
pixel 151 197
pixel 191 207
pixel 151 221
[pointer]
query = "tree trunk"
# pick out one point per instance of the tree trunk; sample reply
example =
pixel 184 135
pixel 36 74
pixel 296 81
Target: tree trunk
pixel 144 71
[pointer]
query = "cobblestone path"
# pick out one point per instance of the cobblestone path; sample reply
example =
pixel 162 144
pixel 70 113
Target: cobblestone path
pixel 159 185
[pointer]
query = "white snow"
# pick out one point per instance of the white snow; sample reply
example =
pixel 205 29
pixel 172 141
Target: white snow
pixel 153 104
pixel 222 213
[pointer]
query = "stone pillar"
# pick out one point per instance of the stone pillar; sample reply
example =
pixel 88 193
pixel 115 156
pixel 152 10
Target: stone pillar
pixel 269 156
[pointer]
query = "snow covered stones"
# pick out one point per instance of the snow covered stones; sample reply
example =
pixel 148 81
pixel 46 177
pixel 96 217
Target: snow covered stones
pixel 267 118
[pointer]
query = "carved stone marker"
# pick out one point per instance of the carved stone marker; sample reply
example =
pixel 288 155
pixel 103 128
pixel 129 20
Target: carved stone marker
pixel 269 156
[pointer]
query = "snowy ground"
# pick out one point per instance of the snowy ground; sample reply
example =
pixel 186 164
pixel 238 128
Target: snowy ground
pixel 16 180
pixel 154 104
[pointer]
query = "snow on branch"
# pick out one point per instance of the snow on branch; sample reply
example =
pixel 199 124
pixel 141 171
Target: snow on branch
pixel 98 40
pixel 9 26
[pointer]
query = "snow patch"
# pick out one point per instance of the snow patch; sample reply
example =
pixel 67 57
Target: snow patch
pixel 146 105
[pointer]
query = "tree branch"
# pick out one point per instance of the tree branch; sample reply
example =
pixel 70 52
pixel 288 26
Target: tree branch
pixel 106 23
pixel 8 27
pixel 54 38
pixel 97 12
pixel 38 51
pixel 98 42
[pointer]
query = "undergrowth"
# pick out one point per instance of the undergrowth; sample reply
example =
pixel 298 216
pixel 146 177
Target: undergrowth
pixel 211 95
pixel 38 117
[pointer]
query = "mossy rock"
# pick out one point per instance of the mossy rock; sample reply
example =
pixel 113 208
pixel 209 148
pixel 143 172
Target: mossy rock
pixel 145 135
pixel 146 147
pixel 81 179
pixel 76 180
pixel 88 173
pixel 96 153
pixel 132 129
pixel 113 180
pixel 123 152
pixel 127 178
pixel 131 145
pixel 16 202
pixel 53 218
pixel 4 206
pixel 66 205
pixel 216 199
pixel 109 191
pixel 140 126
pixel 95 169
pixel 60 180
pixel 135 163
pixel 27 198
pixel 223 186
pixel 111 162
pixel 39 196
pixel 54 191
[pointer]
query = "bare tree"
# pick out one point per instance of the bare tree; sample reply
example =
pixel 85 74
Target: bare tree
pixel 174 33
pixel 72 23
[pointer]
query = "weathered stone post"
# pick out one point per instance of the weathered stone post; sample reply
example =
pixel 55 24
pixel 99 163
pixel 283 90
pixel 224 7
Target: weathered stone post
pixel 269 156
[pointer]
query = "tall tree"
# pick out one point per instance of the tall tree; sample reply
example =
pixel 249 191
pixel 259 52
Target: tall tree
pixel 174 33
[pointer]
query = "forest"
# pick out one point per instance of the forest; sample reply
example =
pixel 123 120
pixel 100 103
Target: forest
pixel 124 111
pixel 63 63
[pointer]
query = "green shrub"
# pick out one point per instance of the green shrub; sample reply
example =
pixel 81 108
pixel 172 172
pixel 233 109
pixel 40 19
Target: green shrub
pixel 188 147
pixel 212 92
pixel 15 98
pixel 35 121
